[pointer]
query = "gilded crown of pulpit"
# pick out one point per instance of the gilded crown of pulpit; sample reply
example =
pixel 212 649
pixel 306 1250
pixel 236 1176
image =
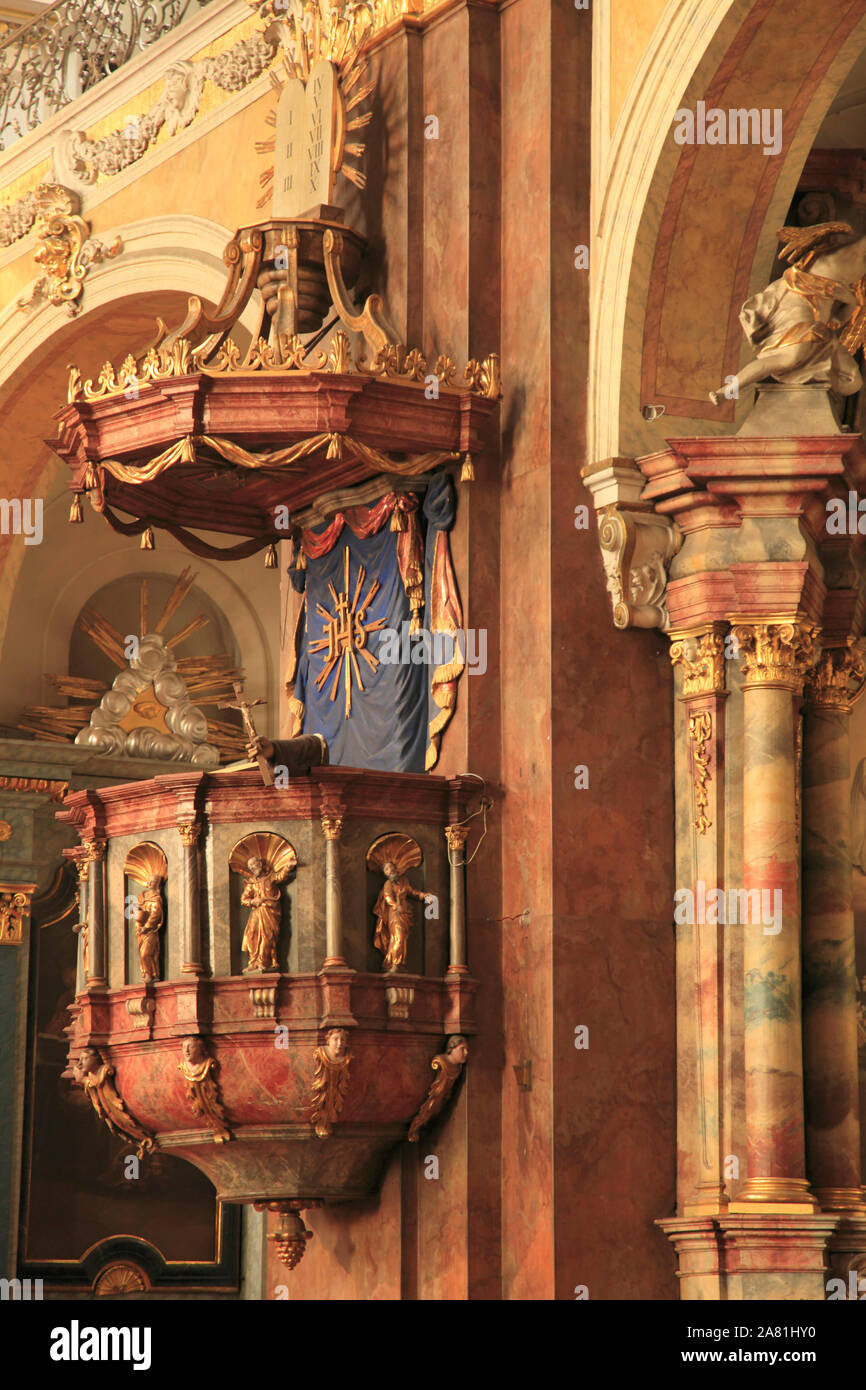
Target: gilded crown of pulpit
pixel 272 958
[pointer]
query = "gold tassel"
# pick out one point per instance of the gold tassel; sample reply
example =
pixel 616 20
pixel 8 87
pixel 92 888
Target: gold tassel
pixel 271 557
pixel 147 541
pixel 75 513
pixel 467 472
pixel 398 520
pixel 90 479
pixel 335 447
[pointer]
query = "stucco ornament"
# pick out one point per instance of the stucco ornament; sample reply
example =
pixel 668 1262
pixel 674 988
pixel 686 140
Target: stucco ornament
pixel 806 325
pixel 167 726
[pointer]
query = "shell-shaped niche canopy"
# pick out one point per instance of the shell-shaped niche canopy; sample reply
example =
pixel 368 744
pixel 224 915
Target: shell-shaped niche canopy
pixel 277 854
pixel 145 862
pixel 400 850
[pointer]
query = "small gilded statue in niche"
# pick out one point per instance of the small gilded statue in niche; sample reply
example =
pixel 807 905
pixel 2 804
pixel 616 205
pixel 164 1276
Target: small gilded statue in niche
pixel 149 917
pixel 393 855
pixel 449 1064
pixel 265 861
pixel 146 865
pixel 330 1081
pixel 97 1078
pixel 806 325
pixel 202 1088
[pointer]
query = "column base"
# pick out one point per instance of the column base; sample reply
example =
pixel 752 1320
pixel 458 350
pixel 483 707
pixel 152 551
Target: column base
pixel 847 1201
pixel 709 1200
pixel 774 1197
pixel 751 1258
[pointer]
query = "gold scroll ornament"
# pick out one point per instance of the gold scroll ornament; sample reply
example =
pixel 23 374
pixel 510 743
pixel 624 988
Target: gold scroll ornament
pixel 449 1064
pixel 700 733
pixel 202 1088
pixel 330 1081
pixel 97 1078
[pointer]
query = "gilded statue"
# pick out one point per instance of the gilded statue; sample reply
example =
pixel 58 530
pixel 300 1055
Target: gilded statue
pixel 393 855
pixel 148 921
pixel 264 860
pixel 806 325
pixel 449 1064
pixel 202 1088
pixel 330 1081
pixel 97 1078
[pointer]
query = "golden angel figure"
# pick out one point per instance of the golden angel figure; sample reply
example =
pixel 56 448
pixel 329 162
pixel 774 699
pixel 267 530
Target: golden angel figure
pixel 392 855
pixel 449 1065
pixel 148 920
pixel 330 1081
pixel 97 1078
pixel 202 1089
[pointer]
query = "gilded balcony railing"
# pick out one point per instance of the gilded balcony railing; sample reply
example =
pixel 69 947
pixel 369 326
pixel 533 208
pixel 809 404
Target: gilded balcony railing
pixel 69 47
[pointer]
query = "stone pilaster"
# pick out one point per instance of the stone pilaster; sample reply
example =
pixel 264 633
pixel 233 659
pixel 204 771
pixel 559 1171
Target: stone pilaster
pixel 456 837
pixel 776 657
pixel 190 832
pixel 829 967
pixel 700 944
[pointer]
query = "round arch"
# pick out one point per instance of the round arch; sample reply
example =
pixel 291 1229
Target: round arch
pixel 684 233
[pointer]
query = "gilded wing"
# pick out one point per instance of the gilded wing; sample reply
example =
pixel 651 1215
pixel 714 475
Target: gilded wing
pixel 853 335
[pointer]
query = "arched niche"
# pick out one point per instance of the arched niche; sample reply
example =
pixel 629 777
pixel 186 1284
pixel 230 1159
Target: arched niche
pixel 270 894
pixel 683 234
pixel 145 870
pixel 407 857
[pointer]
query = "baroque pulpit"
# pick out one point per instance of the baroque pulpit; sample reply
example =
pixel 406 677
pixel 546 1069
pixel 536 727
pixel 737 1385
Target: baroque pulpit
pixel 272 970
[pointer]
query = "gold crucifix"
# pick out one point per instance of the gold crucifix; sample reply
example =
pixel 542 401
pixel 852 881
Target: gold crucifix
pixel 345 633
pixel 239 703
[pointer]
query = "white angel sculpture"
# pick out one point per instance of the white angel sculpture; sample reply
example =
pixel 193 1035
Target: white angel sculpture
pixel 806 326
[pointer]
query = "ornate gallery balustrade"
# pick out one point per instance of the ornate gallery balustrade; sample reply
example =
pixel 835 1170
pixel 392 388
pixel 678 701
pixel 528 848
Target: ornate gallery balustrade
pixel 70 47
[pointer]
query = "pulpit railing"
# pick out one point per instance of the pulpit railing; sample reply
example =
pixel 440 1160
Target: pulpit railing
pixel 70 47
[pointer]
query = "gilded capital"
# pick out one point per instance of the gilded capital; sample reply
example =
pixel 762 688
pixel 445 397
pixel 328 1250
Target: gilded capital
pixel 189 831
pixel 14 907
pixel 456 836
pixel 702 657
pixel 836 678
pixel 94 850
pixel 777 653
pixel 332 826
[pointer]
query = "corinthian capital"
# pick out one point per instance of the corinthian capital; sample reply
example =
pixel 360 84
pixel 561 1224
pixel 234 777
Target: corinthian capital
pixel 837 677
pixel 702 657
pixel 777 654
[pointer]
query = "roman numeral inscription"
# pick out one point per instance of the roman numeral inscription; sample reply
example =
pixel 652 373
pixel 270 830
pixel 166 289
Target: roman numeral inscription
pixel 303 175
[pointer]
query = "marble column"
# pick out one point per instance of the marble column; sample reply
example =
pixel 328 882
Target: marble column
pixel 332 826
pixel 776 657
pixel 700 944
pixel 829 967
pixel 456 837
pixel 95 898
pixel 191 899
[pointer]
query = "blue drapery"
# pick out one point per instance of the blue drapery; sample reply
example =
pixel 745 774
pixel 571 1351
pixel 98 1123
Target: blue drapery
pixel 388 726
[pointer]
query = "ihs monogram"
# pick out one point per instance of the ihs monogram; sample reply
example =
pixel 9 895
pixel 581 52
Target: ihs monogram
pixel 345 633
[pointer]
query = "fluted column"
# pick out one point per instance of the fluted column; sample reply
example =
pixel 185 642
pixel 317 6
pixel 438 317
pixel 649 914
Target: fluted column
pixel 700 944
pixel 97 951
pixel 189 832
pixel 829 967
pixel 332 827
pixel 456 837
pixel 776 656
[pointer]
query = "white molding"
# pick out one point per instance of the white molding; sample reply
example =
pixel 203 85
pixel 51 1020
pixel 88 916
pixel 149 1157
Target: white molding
pixel 177 252
pixel 182 43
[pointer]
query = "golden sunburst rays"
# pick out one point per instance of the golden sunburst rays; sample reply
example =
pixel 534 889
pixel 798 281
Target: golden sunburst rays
pixel 274 851
pixel 314 32
pixel 346 631
pixel 144 862
pixel 208 679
